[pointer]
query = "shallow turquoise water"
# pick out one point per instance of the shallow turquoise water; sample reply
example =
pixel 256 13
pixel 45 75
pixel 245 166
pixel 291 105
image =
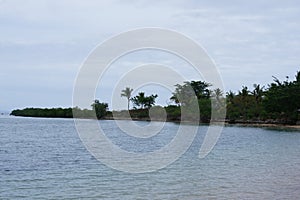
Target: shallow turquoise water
pixel 45 159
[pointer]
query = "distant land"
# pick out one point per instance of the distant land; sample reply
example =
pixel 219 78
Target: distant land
pixel 278 103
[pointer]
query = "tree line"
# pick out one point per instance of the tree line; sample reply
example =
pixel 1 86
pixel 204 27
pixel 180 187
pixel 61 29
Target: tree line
pixel 44 112
pixel 278 102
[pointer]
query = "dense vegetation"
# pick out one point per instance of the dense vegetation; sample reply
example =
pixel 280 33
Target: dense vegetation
pixel 44 112
pixel 99 110
pixel 279 102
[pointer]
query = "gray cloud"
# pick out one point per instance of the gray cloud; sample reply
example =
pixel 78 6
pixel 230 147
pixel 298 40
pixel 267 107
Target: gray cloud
pixel 43 43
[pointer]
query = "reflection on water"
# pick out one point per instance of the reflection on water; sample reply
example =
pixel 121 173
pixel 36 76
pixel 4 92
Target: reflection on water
pixel 44 158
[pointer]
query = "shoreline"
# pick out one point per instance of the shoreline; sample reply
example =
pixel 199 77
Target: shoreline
pixel 295 127
pixel 226 123
pixel 265 125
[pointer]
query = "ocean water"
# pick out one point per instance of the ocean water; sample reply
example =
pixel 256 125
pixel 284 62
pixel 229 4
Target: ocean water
pixel 45 159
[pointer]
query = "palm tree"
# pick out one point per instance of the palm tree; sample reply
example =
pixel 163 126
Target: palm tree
pixel 244 92
pixel 144 101
pixel 217 93
pixel 258 93
pixel 230 97
pixel 127 92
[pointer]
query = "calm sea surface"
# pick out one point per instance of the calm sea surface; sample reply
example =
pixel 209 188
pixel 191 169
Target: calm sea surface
pixel 45 159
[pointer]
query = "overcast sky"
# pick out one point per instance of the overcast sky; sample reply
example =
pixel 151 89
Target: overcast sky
pixel 43 43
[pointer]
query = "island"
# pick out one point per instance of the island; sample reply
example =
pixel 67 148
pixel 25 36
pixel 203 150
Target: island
pixel 278 103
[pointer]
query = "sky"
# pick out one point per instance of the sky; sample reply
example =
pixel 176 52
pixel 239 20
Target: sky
pixel 44 43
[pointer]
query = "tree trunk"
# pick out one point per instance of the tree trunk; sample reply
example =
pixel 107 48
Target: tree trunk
pixel 128 104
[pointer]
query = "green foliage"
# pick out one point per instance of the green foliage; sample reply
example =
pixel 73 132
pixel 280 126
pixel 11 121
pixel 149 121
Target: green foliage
pixel 173 112
pixel 205 109
pixel 140 114
pixel 184 94
pixel 157 113
pixel 279 103
pixel 44 112
pixel 100 109
pixel 135 114
pixel 282 100
pixel 143 101
pixel 246 105
pixel 201 89
pixel 83 113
